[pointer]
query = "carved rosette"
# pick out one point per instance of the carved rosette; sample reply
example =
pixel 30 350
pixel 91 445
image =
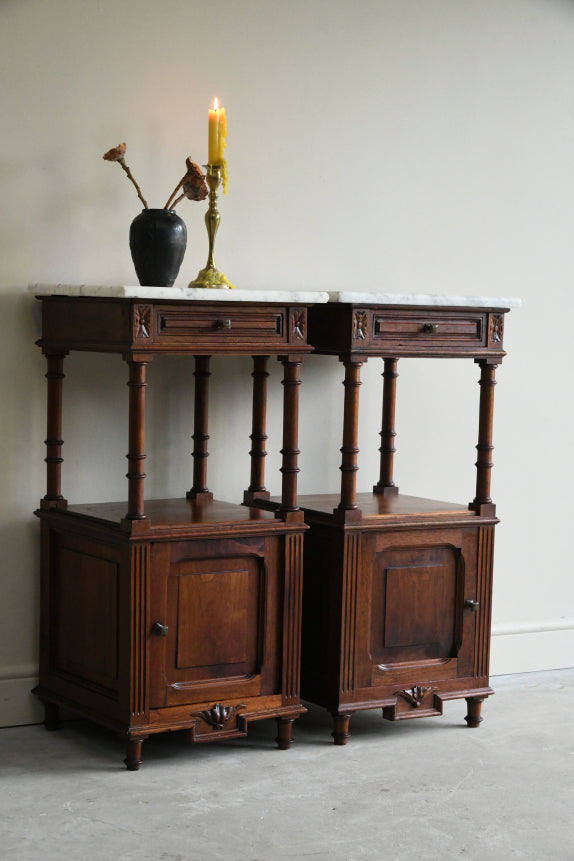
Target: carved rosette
pixel 142 321
pixel 360 325
pixel 219 716
pixel 496 327
pixel 415 695
pixel 298 324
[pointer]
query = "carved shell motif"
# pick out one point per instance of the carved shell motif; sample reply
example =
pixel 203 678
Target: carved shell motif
pixel 360 325
pixel 218 716
pixel 415 695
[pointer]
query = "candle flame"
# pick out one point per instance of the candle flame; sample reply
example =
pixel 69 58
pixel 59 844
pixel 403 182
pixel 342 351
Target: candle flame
pixel 216 104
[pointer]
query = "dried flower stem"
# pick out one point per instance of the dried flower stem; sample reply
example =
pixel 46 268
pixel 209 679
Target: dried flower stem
pixel 130 177
pixel 173 194
pixel 176 201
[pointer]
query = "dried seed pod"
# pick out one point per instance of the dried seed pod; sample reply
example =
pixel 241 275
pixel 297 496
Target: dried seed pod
pixel 193 185
pixel 116 153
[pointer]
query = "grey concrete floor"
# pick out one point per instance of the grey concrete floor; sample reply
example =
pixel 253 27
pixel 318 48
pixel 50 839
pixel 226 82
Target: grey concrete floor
pixel 428 789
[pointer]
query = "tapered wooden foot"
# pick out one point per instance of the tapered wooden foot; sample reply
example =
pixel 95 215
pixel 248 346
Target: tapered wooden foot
pixel 133 758
pixel 284 732
pixel 473 717
pixel 51 716
pixel 341 728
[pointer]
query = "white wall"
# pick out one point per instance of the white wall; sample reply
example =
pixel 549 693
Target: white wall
pixel 419 146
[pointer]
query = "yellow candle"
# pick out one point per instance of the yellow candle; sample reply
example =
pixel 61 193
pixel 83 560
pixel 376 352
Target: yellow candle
pixel 221 140
pixel 217 134
pixel 213 132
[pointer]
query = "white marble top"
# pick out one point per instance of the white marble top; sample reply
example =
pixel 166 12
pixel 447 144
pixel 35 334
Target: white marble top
pixel 284 296
pixel 423 299
pixel 212 294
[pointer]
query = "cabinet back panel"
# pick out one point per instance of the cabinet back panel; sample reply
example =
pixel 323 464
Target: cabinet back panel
pixel 85 617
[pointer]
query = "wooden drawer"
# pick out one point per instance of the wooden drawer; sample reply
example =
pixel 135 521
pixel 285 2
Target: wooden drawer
pixel 429 329
pixel 391 330
pixel 235 326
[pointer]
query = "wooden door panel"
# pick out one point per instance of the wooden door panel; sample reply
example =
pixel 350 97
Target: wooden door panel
pixel 213 619
pixel 416 612
pixel 414 606
pixel 215 611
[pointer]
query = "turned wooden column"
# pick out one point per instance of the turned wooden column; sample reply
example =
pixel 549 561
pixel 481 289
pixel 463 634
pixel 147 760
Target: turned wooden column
pixel 133 758
pixel 341 727
pixel 473 717
pixel 347 507
pixel 258 437
pixel 284 732
pixel 54 441
pixel 136 452
pixel 482 503
pixel 386 485
pixel 200 435
pixel 288 510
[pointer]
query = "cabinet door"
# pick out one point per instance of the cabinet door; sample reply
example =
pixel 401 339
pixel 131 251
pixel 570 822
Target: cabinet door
pixel 217 611
pixel 420 628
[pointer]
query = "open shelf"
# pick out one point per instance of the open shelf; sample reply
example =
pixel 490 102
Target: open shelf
pixel 180 514
pixel 378 505
pixel 377 509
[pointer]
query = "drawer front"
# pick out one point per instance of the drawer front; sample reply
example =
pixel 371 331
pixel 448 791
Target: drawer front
pixel 180 323
pixel 428 329
pixel 220 328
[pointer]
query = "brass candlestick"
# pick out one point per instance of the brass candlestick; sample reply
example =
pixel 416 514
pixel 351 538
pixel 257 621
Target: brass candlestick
pixel 210 276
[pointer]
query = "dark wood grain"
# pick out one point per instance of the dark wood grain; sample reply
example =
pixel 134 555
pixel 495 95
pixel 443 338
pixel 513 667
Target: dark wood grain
pixel 178 613
pixel 54 441
pixel 200 429
pixel 398 589
pixel 482 502
pixel 136 452
pixel 350 447
pixel 258 436
pixel 385 484
pixel 379 506
pixel 164 513
pixel 393 331
pixel 163 327
pixel 289 509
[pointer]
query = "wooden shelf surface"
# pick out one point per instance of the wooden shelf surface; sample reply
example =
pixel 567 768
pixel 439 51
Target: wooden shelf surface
pixel 378 505
pixel 165 513
pixel 377 508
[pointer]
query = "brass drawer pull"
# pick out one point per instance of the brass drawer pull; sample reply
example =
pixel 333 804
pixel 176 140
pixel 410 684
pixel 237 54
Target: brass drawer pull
pixel 430 328
pixel 223 324
pixel 159 629
pixel 472 605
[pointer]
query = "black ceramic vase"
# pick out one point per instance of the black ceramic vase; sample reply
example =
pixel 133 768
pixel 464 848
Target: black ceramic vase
pixel 157 242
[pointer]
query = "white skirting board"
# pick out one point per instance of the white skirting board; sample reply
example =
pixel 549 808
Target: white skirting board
pixel 521 648
pixel 18 706
pixel 527 648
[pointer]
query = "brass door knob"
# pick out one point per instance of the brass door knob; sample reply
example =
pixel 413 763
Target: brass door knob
pixel 430 328
pixel 471 605
pixel 159 630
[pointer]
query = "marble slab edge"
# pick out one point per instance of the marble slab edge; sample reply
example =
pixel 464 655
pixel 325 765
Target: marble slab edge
pixel 188 293
pixel 348 296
